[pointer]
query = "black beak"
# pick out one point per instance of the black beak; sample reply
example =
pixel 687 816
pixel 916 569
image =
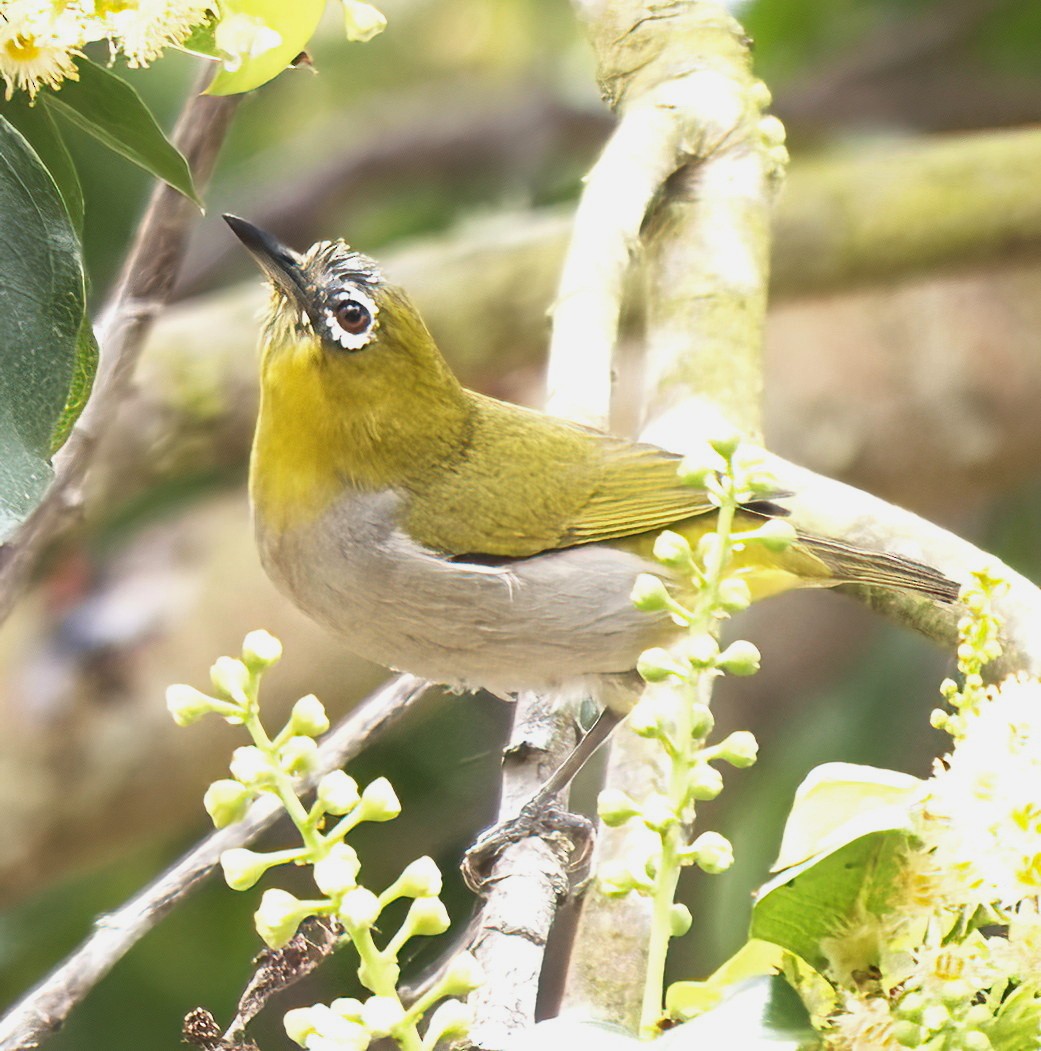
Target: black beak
pixel 280 263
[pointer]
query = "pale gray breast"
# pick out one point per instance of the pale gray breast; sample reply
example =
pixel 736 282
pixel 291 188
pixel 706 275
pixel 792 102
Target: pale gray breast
pixel 529 624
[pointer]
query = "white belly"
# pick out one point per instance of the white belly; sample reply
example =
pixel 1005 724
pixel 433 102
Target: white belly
pixel 530 624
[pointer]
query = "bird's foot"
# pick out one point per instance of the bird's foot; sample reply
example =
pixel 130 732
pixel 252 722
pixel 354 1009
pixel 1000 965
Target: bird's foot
pixel 544 819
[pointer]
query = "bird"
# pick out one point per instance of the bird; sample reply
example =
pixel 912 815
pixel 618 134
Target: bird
pixel 466 540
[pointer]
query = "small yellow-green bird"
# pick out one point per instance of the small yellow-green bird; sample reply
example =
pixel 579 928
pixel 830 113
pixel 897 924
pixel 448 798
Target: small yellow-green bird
pixel 444 533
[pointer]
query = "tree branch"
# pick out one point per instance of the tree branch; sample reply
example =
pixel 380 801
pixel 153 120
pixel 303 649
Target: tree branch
pixel 45 1008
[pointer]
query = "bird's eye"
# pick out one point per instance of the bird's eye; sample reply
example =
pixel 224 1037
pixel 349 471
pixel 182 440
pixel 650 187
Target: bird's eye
pixel 352 316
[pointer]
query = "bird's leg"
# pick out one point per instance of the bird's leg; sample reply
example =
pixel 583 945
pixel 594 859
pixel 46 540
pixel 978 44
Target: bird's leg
pixel 540 815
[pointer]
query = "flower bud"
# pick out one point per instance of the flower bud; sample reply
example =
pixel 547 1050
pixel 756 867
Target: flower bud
pixel 701 651
pixel 347 1007
pixel 976 1040
pixel 380 1014
pixel 359 908
pixel 907 1034
pixel 651 717
pixel 362 21
pixel 726 444
pixel 299 755
pixel 250 766
pixel 451 1020
pixel 308 717
pixel 696 471
pixel 187 704
pixel 230 677
pixel 673 549
pixel 712 852
pixel 464 974
pixel 680 920
pixel 734 595
pixel 419 879
pixel 649 594
pixel 299 1023
pixel 705 782
pixel 740 658
pixel 278 916
pixel 656 665
pixel 739 749
pixel 935 1017
pixel 701 721
pixel 226 802
pixel 427 916
pixel 657 813
pixel 775 535
pixel 379 802
pixel 242 868
pixel 337 872
pixel 338 792
pixel 260 650
pixel 614 807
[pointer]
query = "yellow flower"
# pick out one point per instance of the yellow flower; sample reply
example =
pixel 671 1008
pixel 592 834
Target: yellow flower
pixel 38 46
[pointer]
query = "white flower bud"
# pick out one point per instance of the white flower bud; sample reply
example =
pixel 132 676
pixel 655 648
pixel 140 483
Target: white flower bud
pixel 420 879
pixel 380 1014
pixel 774 535
pixel 734 595
pixel 260 650
pixel 278 917
pixel 712 852
pixel 226 802
pixel 379 802
pixel 337 872
pixel 705 782
pixel 464 974
pixel 299 755
pixel 359 908
pixel 451 1020
pixel 614 807
pixel 649 594
pixel 726 444
pixel 338 792
pixel 242 868
pixel 739 749
pixel 309 717
pixel 427 917
pixel 657 813
pixel 702 651
pixel 363 21
pixel 250 766
pixel 230 677
pixel 656 665
pixel 187 704
pixel 680 920
pixel 299 1023
pixel 740 658
pixel 673 549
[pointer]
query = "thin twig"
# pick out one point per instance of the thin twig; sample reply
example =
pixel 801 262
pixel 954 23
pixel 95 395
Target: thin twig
pixel 144 286
pixel 46 1007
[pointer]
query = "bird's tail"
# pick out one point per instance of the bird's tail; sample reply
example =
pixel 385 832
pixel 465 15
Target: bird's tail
pixel 853 565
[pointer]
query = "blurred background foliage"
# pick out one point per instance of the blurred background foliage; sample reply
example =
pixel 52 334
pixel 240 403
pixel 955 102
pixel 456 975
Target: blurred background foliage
pixel 461 109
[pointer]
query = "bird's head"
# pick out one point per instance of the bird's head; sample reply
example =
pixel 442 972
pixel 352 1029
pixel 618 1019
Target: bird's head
pixel 350 375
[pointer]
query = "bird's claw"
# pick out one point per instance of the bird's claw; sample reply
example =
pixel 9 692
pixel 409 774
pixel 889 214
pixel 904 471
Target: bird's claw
pixel 546 821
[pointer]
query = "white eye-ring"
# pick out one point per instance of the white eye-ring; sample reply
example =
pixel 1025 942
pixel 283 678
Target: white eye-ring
pixel 351 319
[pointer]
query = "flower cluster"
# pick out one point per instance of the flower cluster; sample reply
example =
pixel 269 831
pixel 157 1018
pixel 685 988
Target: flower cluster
pixel 40 40
pixel 961 939
pixel 706 585
pixel 274 766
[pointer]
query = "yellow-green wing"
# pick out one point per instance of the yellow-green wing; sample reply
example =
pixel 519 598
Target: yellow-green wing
pixel 638 492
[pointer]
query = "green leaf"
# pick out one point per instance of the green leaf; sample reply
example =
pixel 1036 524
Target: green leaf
pixel 829 896
pixel 83 371
pixel 108 108
pixel 40 131
pixel 293 23
pixel 840 802
pixel 42 308
pixel 759 1013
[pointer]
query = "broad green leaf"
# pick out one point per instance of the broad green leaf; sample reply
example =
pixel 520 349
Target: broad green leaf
pixel 278 31
pixel 759 1013
pixel 840 802
pixel 42 306
pixel 828 896
pixel 39 129
pixel 108 108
